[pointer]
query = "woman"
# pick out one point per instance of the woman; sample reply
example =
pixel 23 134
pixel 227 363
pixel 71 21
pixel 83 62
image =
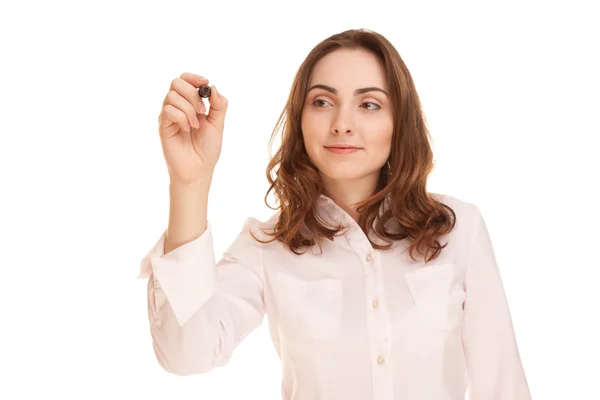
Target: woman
pixel 362 301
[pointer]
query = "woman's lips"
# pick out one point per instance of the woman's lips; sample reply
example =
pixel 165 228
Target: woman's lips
pixel 339 150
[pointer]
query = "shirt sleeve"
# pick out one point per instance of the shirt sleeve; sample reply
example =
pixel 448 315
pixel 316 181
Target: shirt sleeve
pixel 199 310
pixel 493 362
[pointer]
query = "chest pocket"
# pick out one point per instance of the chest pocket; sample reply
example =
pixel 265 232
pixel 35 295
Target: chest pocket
pixel 309 309
pixel 438 295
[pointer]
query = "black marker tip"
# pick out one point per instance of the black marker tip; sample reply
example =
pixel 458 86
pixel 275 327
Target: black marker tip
pixel 204 91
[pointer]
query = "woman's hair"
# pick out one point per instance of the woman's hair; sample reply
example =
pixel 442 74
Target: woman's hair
pixel 412 212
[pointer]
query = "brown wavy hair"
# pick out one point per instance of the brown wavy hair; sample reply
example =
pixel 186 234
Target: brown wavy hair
pixel 297 184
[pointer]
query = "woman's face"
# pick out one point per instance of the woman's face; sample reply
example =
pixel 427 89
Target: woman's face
pixel 351 108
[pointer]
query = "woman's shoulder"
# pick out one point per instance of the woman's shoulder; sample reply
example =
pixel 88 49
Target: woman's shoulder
pixel 258 226
pixel 467 212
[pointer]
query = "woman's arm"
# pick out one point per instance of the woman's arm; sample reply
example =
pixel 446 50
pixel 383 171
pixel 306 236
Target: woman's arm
pixel 199 311
pixel 494 368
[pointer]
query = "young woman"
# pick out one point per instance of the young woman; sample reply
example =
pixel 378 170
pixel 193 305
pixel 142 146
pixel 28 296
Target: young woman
pixel 374 288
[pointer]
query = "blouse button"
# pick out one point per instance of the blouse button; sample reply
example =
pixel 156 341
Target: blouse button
pixel 368 257
pixel 380 360
pixel 375 304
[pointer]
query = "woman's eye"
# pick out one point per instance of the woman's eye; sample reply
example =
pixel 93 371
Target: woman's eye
pixel 317 104
pixel 314 102
pixel 370 102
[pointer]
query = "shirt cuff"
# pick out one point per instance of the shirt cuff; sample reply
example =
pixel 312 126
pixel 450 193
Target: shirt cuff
pixel 186 274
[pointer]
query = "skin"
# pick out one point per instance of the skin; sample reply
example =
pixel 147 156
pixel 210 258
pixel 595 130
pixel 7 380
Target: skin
pixel 364 120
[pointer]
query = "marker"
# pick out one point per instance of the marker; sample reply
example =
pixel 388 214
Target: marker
pixel 204 91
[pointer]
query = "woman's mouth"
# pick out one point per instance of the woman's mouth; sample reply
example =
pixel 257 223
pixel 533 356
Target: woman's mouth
pixel 343 150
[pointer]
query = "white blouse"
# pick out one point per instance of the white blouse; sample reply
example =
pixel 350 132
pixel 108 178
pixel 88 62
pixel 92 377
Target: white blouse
pixel 350 323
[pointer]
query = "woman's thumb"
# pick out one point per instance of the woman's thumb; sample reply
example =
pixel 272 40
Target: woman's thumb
pixel 218 109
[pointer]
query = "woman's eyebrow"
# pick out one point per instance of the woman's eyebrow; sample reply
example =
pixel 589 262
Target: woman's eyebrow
pixel 356 92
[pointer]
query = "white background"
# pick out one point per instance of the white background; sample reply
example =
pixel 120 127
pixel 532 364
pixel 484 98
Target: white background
pixel 510 91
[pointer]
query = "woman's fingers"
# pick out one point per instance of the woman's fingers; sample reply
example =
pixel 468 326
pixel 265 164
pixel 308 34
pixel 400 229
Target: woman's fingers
pixel 177 100
pixel 171 115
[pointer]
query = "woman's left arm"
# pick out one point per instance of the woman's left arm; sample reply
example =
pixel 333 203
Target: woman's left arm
pixel 493 362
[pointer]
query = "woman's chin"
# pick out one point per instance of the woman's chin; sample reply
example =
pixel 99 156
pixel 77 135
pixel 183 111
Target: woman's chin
pixel 344 175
